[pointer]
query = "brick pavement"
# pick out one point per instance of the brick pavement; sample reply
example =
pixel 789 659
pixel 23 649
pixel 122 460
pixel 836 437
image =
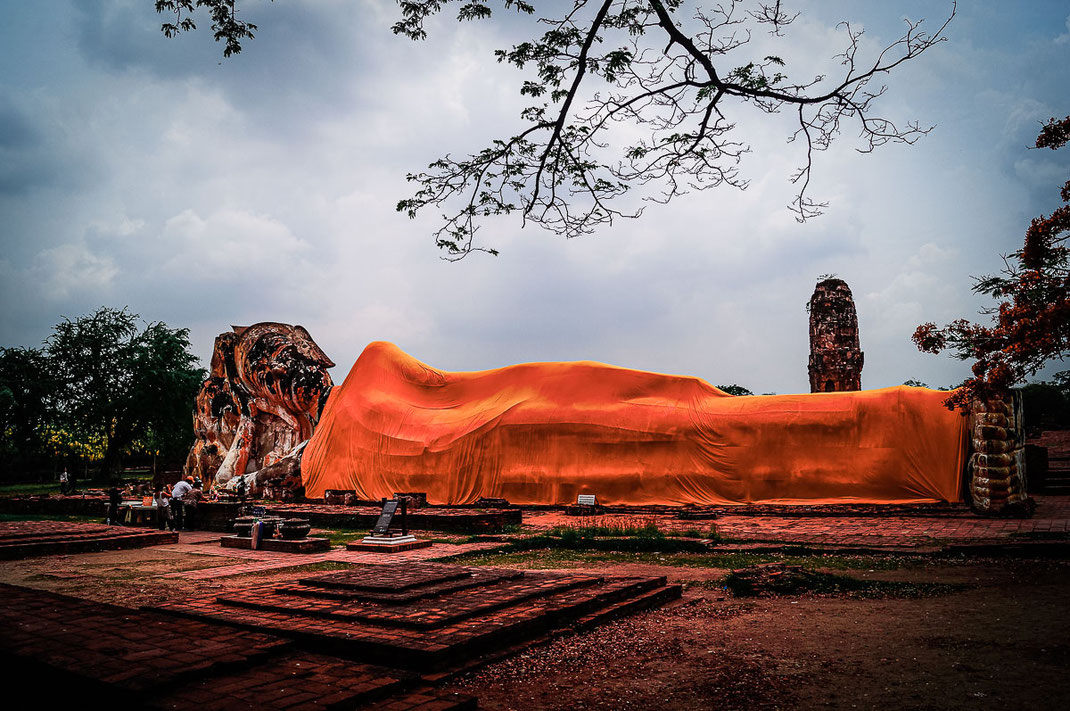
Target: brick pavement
pixel 874 530
pixel 72 651
pixel 419 617
pixel 22 539
pixel 260 560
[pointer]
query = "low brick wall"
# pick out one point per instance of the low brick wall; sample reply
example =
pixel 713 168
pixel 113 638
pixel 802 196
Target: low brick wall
pixel 55 505
pixel 425 519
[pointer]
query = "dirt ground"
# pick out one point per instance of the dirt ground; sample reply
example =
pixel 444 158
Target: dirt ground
pixel 996 635
pixel 1000 641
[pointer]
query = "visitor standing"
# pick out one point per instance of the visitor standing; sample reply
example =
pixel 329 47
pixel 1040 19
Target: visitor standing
pixel 189 502
pixel 115 497
pixel 178 500
pixel 64 482
pixel 162 498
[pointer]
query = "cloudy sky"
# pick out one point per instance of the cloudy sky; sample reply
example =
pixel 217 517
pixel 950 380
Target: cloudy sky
pixel 151 173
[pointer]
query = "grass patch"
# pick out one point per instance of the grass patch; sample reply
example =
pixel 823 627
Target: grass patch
pixel 29 488
pixel 532 553
pixel 341 537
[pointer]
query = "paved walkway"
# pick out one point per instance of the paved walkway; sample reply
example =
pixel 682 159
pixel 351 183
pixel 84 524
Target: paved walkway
pixel 1051 521
pixel 207 543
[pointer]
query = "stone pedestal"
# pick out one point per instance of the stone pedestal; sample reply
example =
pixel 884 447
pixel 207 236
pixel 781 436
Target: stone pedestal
pixel 387 544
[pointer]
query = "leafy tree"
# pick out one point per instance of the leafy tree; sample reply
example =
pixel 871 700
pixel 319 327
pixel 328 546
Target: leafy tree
pixel 119 384
pixel 26 387
pixel 734 389
pixel 601 69
pixel 1047 404
pixel 1031 324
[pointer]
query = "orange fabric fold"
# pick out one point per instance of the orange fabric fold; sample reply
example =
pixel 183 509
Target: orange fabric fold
pixel 542 433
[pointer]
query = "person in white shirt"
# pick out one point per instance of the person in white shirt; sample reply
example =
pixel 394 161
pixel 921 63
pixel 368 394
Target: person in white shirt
pixel 178 494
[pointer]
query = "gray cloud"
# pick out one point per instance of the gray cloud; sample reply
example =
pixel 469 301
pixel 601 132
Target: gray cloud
pixel 147 173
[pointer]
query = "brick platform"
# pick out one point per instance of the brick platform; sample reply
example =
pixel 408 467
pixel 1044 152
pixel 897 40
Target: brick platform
pixel 279 545
pixel 261 560
pixel 23 539
pixel 387 547
pixel 71 651
pixel 432 618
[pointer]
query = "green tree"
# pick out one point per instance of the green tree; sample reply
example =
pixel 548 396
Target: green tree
pixel 734 389
pixel 631 94
pixel 1047 404
pixel 1030 326
pixel 123 384
pixel 26 389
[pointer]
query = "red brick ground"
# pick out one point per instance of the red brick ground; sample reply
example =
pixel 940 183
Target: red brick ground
pixel 69 650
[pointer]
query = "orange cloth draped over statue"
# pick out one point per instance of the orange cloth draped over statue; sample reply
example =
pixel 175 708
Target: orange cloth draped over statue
pixel 541 433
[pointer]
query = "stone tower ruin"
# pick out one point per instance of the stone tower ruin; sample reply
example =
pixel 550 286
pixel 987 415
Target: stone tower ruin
pixel 835 358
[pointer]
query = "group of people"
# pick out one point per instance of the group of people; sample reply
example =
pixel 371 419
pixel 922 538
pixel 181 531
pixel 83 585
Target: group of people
pixel 176 506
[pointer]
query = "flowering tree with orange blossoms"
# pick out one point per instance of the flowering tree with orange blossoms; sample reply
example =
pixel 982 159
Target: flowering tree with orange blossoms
pixel 1031 324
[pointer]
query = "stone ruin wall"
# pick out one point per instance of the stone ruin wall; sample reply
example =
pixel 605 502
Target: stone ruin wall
pixel 835 358
pixel 256 410
pixel 996 472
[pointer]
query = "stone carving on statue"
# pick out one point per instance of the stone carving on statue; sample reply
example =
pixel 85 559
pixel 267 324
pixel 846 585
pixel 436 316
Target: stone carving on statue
pixel 254 415
pixel 835 359
pixel 215 415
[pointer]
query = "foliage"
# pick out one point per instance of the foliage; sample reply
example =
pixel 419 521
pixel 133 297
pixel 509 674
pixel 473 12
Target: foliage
pixel 734 389
pixel 633 93
pixel 26 386
pixel 1031 325
pixel 1047 404
pixel 225 23
pixel 100 388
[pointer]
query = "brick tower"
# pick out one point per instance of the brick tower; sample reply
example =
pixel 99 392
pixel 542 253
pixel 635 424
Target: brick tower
pixel 835 358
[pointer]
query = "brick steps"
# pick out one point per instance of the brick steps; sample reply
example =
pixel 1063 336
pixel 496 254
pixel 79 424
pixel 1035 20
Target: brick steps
pixel 646 600
pixel 476 602
pixel 433 634
pixel 71 652
pixel 24 539
pixel 477 579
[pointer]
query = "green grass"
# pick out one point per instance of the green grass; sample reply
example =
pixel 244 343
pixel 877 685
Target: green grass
pixel 36 488
pixel 340 537
pixel 521 557
pixel 29 488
